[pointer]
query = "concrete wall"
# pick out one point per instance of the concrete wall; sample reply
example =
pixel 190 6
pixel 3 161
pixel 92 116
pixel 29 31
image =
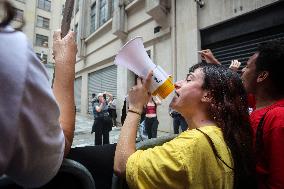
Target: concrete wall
pixel 216 11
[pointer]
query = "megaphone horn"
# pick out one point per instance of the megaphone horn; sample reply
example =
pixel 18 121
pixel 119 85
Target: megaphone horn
pixel 134 57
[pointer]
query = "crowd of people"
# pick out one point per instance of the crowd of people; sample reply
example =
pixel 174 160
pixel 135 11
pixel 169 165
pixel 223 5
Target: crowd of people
pixel 224 145
pixel 148 120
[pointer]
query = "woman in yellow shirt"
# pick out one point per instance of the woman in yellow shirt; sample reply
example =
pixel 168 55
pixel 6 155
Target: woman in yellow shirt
pixel 215 152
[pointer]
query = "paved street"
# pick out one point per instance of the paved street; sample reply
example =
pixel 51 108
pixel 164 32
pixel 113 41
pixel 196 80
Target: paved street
pixel 83 136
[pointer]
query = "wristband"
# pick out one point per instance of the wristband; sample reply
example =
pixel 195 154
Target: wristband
pixel 133 111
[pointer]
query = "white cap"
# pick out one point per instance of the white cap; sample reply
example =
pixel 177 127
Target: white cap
pixel 100 94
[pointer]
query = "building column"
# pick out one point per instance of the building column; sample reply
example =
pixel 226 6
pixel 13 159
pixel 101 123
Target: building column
pixel 84 94
pixel 83 17
pixel 187 36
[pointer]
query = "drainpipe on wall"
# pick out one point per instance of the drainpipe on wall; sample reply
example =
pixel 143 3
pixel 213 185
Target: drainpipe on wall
pixel 174 41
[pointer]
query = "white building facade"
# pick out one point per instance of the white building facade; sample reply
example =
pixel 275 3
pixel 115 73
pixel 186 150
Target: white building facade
pixel 173 31
pixel 41 18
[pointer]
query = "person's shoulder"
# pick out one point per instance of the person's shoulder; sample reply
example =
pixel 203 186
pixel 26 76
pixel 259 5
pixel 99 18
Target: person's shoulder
pixel 14 67
pixel 14 46
pixel 191 144
pixel 188 139
pixel 13 38
pixel 197 137
pixel 275 117
pixel 277 111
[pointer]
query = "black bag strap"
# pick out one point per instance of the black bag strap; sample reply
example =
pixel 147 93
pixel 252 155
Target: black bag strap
pixel 259 132
pixel 214 149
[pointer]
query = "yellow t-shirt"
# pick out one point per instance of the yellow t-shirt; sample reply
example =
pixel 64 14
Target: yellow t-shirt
pixel 184 162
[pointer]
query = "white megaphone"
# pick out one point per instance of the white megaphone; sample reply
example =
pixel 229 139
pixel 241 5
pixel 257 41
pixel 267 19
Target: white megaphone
pixel 133 56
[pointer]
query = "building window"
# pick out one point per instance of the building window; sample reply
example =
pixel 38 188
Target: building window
pixel 42 57
pixel 111 8
pixel 41 40
pixel 77 6
pixel 19 15
pixel 103 11
pixel 42 22
pixel 44 4
pixel 76 31
pixel 93 18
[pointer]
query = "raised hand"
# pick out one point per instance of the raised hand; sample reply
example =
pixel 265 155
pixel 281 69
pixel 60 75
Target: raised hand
pixel 139 94
pixel 208 56
pixel 235 64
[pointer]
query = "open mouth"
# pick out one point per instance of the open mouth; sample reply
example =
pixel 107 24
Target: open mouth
pixel 176 94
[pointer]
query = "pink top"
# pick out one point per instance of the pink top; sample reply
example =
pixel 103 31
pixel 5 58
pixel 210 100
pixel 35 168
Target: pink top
pixel 151 109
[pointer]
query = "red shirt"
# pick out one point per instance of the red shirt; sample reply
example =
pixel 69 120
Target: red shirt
pixel 270 162
pixel 251 101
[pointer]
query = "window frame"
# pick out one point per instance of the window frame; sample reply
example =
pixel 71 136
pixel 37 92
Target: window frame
pixel 44 57
pixel 41 38
pixel 93 17
pixel 42 21
pixel 43 4
pixel 103 12
pixel 19 17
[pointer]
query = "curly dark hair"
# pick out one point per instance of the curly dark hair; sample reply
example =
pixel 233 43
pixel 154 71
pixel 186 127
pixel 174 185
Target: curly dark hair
pixel 270 58
pixel 229 109
pixel 10 14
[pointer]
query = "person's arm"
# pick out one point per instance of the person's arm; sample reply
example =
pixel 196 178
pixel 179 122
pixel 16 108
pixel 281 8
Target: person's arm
pixel 99 107
pixel 138 97
pixel 110 97
pixel 208 56
pixel 64 51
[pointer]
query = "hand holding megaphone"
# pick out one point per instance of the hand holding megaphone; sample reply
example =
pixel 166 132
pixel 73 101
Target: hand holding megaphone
pixel 133 56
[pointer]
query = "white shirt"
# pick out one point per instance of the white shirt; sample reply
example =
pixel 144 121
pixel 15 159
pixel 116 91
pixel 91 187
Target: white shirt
pixel 31 139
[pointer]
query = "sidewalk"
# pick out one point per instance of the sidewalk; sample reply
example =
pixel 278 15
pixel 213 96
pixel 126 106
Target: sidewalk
pixel 83 136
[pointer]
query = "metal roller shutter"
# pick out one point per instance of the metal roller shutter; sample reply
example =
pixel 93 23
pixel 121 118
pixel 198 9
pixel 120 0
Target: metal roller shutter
pixel 243 47
pixel 77 93
pixel 238 38
pixel 101 81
